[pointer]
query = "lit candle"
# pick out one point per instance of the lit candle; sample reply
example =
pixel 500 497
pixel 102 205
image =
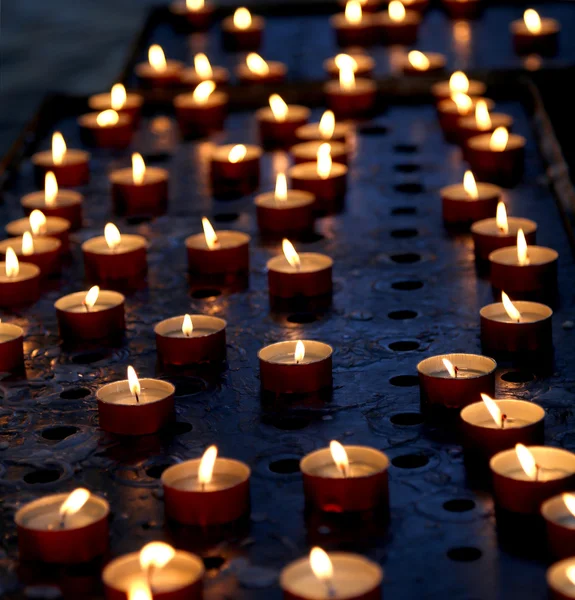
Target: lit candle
pixel 462 9
pixel 419 63
pixel 458 83
pixel 534 35
pixel 398 25
pixel 135 406
pixel 481 122
pixel 93 315
pixel 452 110
pixel 559 515
pixel 242 32
pixel 11 344
pixel 207 491
pixel 202 111
pixel 326 130
pixel 203 70
pixel 352 27
pixel 63 528
pixel 191 339
pixel 159 72
pixel 235 170
pixel 139 190
pixel 561 580
pixel 279 121
pixel 41 226
pixel 362 64
pixel 71 167
pixel 198 15
pixel 257 70
pixel 368 6
pixel 19 282
pixel 346 479
pixel 44 252
pixel 119 100
pixel 106 129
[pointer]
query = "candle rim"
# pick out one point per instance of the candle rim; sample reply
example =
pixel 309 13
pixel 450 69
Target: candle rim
pixel 116 298
pixel 89 120
pixel 152 175
pixel 510 457
pixel 28 270
pixel 64 197
pixel 186 99
pixel 123 385
pixel 337 170
pixel 515 223
pixel 229 466
pixel 58 225
pixel 280 258
pixel 321 345
pixel 13 329
pixel 515 141
pixel 426 367
pixel 54 244
pixel 554 509
pixel 490 311
pixel 133 98
pixel 337 147
pixel 381 460
pixel 558 571
pixel 477 408
pixel 44 157
pixel 224 149
pixel 299 198
pixel 87 246
pixel 161 328
pixel 222 234
pixel 498 255
pixel 301 112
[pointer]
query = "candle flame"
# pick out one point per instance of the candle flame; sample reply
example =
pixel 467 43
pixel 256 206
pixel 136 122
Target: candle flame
pixel 58 148
pixel 320 564
pixel 156 555
pixel 107 118
pixel 501 218
pixel 418 60
pixel 112 236
pixel 299 353
pixel 470 186
pixel 207 463
pixel 237 153
pixel 522 253
pixel 74 502
pixel 92 296
pixel 327 125
pixel 118 96
pixel 133 382
pixel 139 590
pixel 343 61
pixel 37 221
pixel 27 244
pixel 256 64
pixel 12 265
pixel 449 367
pixel 203 67
pixel 138 168
pixel 210 235
pixel 493 409
pixel 463 103
pixel 353 12
pixel 279 108
pixel 324 161
pixel 510 308
pixel 396 11
pixel 157 58
pixel 203 91
pixel 194 5
pixel 569 500
pixel 570 572
pixel 527 461
pixel 339 456
pixel 187 326
pixel 291 254
pixel 242 18
pixel 347 76
pixel 50 189
pixel 499 139
pixel 532 21
pixel 281 187
pixel 459 83
pixel 482 117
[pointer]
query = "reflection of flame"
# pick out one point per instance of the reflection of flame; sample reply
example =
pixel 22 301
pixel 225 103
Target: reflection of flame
pixel 118 96
pixel 493 409
pixel 203 91
pixel 207 463
pixel 324 161
pixel 532 21
pixel 291 254
pixel 482 117
pixel 157 58
pixel 499 139
pixel 156 555
pixel 133 382
pixel 569 500
pixel 449 366
pixel 458 83
pixel 74 502
pixel 281 187
pixel 396 11
pixel 279 107
pixel 320 564
pixel 107 118
pixel 463 103
pixel 202 66
pixel 187 326
pixel 299 353
pixel 112 236
pixel 347 76
pixel 194 5
pixel 527 461
pixel 27 244
pixel 12 265
pixel 343 61
pixel 50 189
pixel 210 235
pixel 257 65
pixel 138 168
pixel 58 148
pixel 92 297
pixel 470 186
pixel 353 12
pixel 37 221
pixel 522 253
pixel 237 153
pixel 510 308
pixel 242 18
pixel 418 60
pixel 139 590
pixel 501 218
pixel 327 125
pixel 339 456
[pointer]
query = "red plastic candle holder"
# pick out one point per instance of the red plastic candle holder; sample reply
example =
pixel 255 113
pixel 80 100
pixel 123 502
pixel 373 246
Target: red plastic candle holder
pixel 235 179
pixel 461 209
pixel 73 170
pixel 355 102
pixel 436 64
pixel 55 227
pixel 46 255
pixel 275 73
pixel 242 40
pixel 403 32
pixel 150 197
pixel 281 133
pixel 199 19
pixel 67 205
pixel 199 119
pixel 230 257
pixel 291 216
pixel 312 278
pixel 117 136
pixel 21 289
pixel 149 77
pixel 365 66
pixel 560 524
pixel 132 106
pixel 487 236
pixel 501 167
pixel 462 9
pixel 545 42
pixel 350 34
pixel 329 193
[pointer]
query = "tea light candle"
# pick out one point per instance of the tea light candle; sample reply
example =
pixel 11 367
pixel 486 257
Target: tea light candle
pixel 242 32
pixel 295 367
pixel 451 111
pixel 139 190
pixel 19 282
pixel 158 568
pixel 119 100
pixel 44 252
pixel 337 575
pixel 419 63
pixel 465 203
pixel 41 226
pixel 204 71
pixel 458 83
pixel 534 35
pixel 524 477
pixel 283 211
pixel 326 180
pixel 63 528
pixel 346 479
pixel 326 130
pixel 368 6
pixel 500 232
pixel 452 381
pixel 279 121
pixel 482 122
pixel 115 258
pixel 159 72
pixel 188 340
pixel 235 170
pixel 350 97
pixel 107 129
pixel 559 515
pixel 196 13
pixel 352 27
pixel 462 9
pixel 134 406
pixel 221 254
pixel 71 167
pixel 97 314
pixel 362 65
pixel 516 327
pixel 257 70
pixel 207 491
pixel 11 345
pixel 201 112
pixel 397 25
pixel 307 152
pixel 561 580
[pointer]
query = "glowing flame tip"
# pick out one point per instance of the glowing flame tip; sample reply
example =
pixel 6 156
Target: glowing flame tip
pixel 207 463
pixel 299 353
pixel 187 326
pixel 157 58
pixel 12 265
pixel 510 308
pixel 133 382
pixel 210 234
pixel 340 457
pixel 527 461
pixel 291 254
pixel 112 236
pixel 320 564
pixel 58 148
pixel 74 502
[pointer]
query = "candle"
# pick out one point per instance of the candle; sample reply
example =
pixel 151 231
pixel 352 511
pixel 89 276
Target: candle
pixel 458 83
pixel 135 406
pixel 500 232
pixel 201 112
pixel 481 122
pixel 41 226
pixel 561 580
pixel 204 71
pixel 195 13
pixel 191 339
pixel 44 252
pixel 362 65
pixel 346 479
pixel 119 100
pixel 463 204
pixel 462 9
pixel 295 367
pixel 326 130
pixel 534 35
pixel 397 25
pixel 71 167
pixel 139 190
pixel 257 70
pixel 524 477
pixel 349 97
pixel 242 32
pixel 559 515
pixel 283 211
pixel 352 27
pixel 107 129
pixel 326 180
pixel 19 282
pixel 307 152
pixel 207 491
pixel 516 328
pixel 114 258
pixel 337 575
pixel 235 170
pixel 97 314
pixel 368 6
pixel 63 528
pixel 11 345
pixel 157 568
pixel 279 121
pixel 452 110
pixel 418 63
pixel 159 72
pixel 449 382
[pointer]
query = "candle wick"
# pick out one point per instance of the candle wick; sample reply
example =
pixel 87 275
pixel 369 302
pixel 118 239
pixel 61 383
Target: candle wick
pixel 63 520
pixel 137 397
pixel 86 306
pixel 503 419
pixel 537 472
pixel 456 371
pixel 149 577
pixel 331 593
pixel 344 472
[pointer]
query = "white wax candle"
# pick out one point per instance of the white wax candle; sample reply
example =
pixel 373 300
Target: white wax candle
pixel 226 239
pixel 220 481
pixel 544 474
pixel 489 227
pixel 310 262
pixel 41 245
pixel 9 332
pixel 54 226
pixel 27 271
pixel 462 373
pixel 125 397
pixel 128 243
pixel 356 469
